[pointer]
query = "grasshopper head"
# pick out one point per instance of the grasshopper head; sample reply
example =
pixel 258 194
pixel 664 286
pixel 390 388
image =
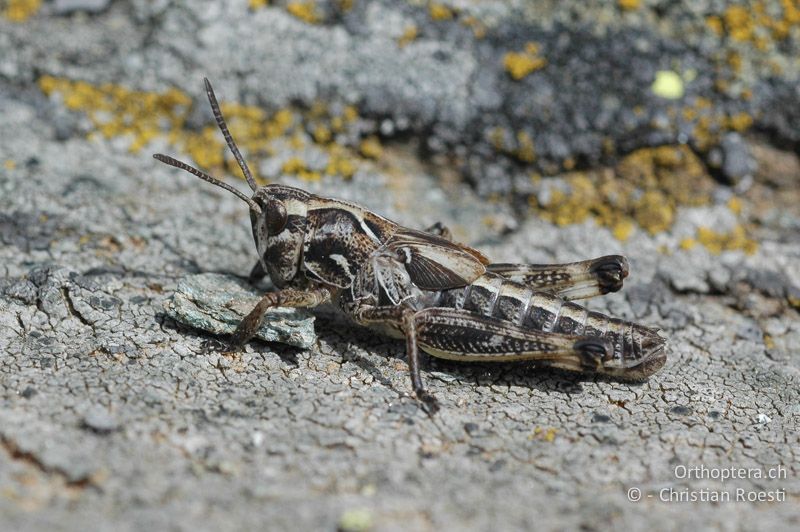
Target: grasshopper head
pixel 277 213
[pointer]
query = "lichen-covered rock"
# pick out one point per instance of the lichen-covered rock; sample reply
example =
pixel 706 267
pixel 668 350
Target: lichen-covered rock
pixel 216 303
pixel 115 416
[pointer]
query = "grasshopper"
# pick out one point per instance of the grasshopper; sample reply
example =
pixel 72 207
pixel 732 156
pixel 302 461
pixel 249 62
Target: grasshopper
pixel 442 297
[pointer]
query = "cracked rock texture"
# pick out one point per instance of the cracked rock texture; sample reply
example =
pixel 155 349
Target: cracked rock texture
pixel 113 416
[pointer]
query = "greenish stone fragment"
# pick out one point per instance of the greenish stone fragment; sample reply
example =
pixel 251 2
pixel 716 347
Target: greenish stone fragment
pixel 216 303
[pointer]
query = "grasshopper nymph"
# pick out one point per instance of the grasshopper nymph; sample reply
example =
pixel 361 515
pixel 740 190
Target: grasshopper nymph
pixel 442 297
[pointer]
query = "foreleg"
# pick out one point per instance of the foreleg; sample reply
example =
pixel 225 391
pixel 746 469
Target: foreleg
pixel 285 298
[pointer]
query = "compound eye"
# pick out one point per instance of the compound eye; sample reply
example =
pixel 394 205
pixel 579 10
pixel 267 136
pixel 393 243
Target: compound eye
pixel 276 215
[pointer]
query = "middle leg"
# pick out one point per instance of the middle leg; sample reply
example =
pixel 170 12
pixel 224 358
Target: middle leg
pixel 402 318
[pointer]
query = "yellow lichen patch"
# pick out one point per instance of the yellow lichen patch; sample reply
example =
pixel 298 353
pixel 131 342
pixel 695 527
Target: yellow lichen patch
pixel 525 150
pixel 345 5
pixel 257 4
pixel 350 114
pixel 709 124
pixel 116 111
pixel 20 10
pixel 322 134
pixel 629 5
pixel 478 27
pixel 371 147
pixel 520 64
pixel 715 24
pixel 717 242
pixel 497 137
pixel 296 166
pixel 547 434
pixel 739 122
pixel 409 35
pixel 9 164
pixel 757 21
pixel 769 343
pixel 623 229
pixel 341 166
pixel 573 206
pixel 739 23
pixel 141 117
pixel 735 205
pixel 306 11
pixel 645 189
pixel 440 11
pixel 654 212
pixel 688 243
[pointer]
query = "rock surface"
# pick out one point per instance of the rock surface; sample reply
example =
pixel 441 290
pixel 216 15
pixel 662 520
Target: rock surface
pixel 115 416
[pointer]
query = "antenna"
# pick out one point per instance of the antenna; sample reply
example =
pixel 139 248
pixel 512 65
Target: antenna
pixel 166 159
pixel 227 134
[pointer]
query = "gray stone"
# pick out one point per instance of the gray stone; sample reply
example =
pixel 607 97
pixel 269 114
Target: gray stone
pixel 737 163
pixel 63 7
pixel 100 420
pixel 217 303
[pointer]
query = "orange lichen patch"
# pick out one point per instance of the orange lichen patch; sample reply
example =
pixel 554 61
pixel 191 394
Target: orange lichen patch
pixel 409 35
pixel 441 11
pixel 629 5
pixel 305 11
pixel 20 10
pixel 520 64
pixel 736 239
